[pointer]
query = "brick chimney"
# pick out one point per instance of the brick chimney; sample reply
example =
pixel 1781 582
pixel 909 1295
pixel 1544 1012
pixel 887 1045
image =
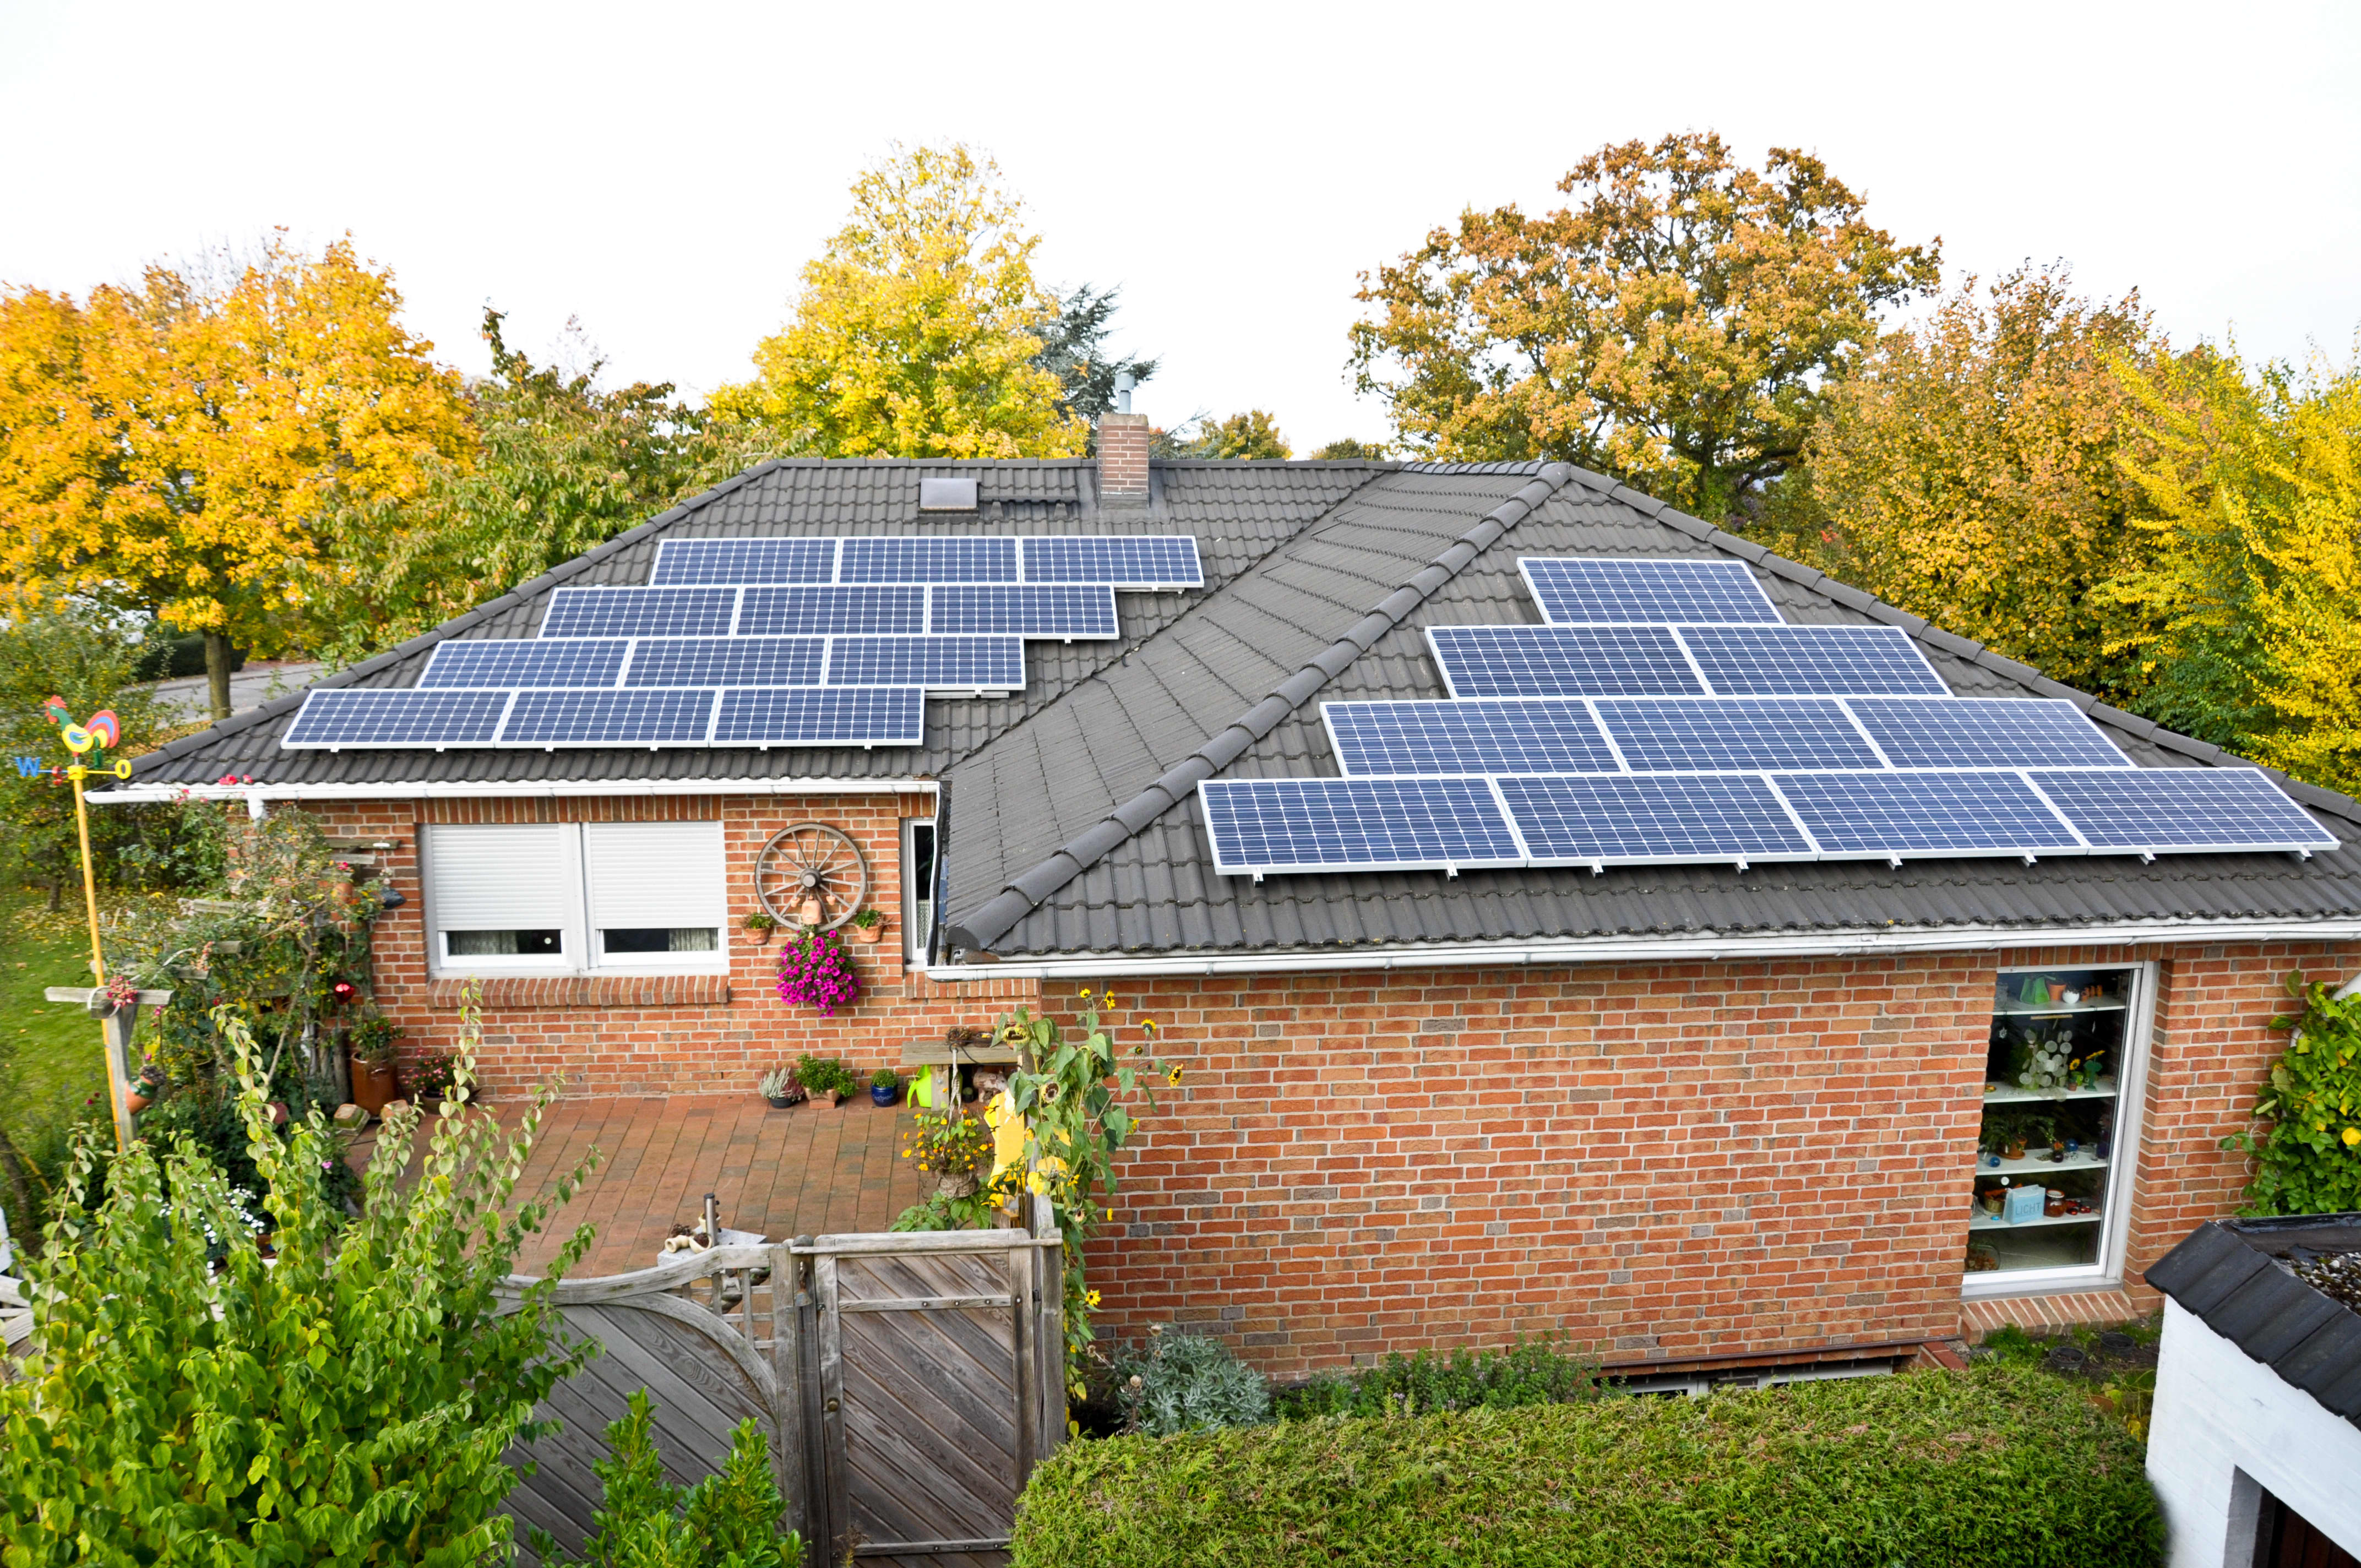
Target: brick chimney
pixel 1122 456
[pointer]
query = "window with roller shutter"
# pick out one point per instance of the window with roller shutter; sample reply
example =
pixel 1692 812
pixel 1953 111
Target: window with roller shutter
pixel 531 898
pixel 655 893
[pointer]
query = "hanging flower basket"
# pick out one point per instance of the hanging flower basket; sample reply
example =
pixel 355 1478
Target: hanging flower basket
pixel 815 969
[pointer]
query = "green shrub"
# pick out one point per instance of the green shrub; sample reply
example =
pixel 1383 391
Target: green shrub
pixel 1188 1383
pixel 730 1519
pixel 1531 1372
pixel 825 1075
pixel 2308 1161
pixel 1993 1467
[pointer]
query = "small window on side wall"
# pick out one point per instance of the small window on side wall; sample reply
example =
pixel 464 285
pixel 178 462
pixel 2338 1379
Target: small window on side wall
pixel 918 886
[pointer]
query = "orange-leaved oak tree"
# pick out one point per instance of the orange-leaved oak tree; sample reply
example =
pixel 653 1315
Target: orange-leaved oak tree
pixel 1676 326
pixel 169 447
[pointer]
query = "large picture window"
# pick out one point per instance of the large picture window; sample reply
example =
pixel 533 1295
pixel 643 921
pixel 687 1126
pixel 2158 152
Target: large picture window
pixel 572 896
pixel 2057 1142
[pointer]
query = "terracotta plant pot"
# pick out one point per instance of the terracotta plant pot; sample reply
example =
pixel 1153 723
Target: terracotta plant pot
pixel 868 933
pixel 836 1097
pixel 2012 1151
pixel 373 1086
pixel 136 1101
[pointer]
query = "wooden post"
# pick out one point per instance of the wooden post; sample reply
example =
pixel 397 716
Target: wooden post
pixel 118 1026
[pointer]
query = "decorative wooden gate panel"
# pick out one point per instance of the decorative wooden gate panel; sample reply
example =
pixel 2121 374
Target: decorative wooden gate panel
pixel 908 1383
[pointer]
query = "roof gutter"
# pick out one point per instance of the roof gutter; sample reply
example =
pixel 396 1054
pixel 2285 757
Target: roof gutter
pixel 1636 950
pixel 150 795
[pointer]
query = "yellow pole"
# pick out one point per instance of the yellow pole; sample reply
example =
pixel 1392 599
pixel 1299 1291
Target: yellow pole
pixel 116 1087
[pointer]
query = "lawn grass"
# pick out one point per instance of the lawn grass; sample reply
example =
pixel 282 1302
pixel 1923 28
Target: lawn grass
pixel 51 1067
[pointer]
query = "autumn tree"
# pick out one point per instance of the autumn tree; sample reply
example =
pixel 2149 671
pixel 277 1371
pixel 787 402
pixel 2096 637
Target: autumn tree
pixel 562 464
pixel 1251 434
pixel 1676 325
pixel 170 447
pixel 1970 471
pixel 1347 449
pixel 2249 601
pixel 919 331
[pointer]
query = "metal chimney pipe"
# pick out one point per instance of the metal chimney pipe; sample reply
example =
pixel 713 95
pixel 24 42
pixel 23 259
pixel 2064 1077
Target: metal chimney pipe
pixel 1123 386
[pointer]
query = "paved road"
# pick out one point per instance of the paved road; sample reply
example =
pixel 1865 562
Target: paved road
pixel 250 688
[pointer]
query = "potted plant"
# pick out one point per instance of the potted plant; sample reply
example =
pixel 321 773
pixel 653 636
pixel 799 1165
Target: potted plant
pixel 761 924
pixel 825 1075
pixel 434 1080
pixel 884 1086
pixel 868 927
pixel 371 1042
pixel 146 1088
pixel 779 1087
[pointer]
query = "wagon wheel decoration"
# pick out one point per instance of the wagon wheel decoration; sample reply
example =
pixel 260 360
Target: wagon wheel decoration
pixel 811 875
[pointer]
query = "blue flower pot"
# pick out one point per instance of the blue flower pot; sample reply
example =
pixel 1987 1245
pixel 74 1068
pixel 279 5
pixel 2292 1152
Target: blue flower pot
pixel 878 1096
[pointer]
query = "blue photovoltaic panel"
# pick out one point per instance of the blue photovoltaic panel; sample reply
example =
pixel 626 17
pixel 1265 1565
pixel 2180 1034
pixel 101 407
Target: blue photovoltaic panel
pixel 1355 825
pixel 1546 735
pixel 1741 734
pixel 1594 821
pixel 525 661
pixel 1984 733
pixel 404 718
pixel 1561 661
pixel 727 662
pixel 1127 561
pixel 1579 592
pixel 639 612
pixel 2155 810
pixel 938 663
pixel 745 561
pixel 1811 661
pixel 661 717
pixel 1058 610
pixel 804 612
pixel 935 560
pixel 822 715
pixel 1921 814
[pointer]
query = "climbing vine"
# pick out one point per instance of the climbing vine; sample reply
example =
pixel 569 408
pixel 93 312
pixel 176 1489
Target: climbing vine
pixel 2307 1156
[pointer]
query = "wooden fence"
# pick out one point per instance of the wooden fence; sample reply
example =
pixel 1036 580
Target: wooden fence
pixel 907 1384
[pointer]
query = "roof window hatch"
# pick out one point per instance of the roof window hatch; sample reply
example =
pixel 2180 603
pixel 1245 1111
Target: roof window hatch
pixel 947 494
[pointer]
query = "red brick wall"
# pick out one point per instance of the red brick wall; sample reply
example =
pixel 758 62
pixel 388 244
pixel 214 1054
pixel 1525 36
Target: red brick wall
pixel 612 1041
pixel 1656 1161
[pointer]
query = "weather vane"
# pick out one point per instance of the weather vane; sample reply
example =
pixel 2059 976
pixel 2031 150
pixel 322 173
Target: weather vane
pixel 103 733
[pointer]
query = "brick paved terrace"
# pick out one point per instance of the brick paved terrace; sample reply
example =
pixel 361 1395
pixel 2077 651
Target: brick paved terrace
pixel 782 1173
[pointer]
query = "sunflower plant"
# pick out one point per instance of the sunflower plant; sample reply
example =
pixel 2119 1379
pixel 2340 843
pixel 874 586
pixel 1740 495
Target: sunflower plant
pixel 2308 1161
pixel 1058 1125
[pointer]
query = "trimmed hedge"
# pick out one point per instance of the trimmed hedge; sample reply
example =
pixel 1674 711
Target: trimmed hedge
pixel 1991 1468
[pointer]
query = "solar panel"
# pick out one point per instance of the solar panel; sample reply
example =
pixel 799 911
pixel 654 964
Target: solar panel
pixel 1561 661
pixel 937 663
pixel 1810 660
pixel 667 716
pixel 639 612
pixel 1547 735
pixel 1984 733
pixel 1359 825
pixel 822 715
pixel 1920 814
pixel 2157 810
pixel 726 662
pixel 805 611
pixel 525 661
pixel 936 560
pixel 1603 821
pixel 1740 734
pixel 1127 561
pixel 745 561
pixel 1057 610
pixel 1576 592
pixel 371 716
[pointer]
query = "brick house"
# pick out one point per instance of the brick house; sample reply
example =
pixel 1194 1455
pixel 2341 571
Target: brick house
pixel 1703 1119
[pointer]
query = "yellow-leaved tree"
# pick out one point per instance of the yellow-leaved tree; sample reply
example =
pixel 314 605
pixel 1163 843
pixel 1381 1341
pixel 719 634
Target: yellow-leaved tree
pixel 1970 472
pixel 170 447
pixel 917 332
pixel 2250 602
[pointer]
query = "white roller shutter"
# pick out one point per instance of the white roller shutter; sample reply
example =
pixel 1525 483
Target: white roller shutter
pixel 653 874
pixel 503 878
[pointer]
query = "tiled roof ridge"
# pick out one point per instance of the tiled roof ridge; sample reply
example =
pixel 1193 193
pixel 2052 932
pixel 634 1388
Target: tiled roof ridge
pixel 1020 894
pixel 677 512
pixel 1921 630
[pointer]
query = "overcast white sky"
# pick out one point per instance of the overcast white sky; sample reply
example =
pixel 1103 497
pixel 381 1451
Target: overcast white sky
pixel 660 171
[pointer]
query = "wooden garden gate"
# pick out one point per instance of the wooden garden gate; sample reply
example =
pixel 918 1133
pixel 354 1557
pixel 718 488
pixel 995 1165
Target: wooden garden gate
pixel 907 1384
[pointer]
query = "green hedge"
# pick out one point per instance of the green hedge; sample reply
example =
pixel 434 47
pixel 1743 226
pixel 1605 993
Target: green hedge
pixel 1991 1468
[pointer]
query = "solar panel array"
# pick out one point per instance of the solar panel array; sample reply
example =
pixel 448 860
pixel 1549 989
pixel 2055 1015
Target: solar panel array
pixel 1663 714
pixel 814 642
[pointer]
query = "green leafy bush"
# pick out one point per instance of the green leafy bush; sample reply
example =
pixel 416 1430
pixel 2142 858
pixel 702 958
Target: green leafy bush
pixel 350 1402
pixel 1531 1372
pixel 2308 1161
pixel 1993 1467
pixel 730 1519
pixel 1188 1383
pixel 825 1075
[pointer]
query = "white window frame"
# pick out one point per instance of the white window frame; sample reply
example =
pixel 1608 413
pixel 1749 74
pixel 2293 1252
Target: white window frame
pixel 658 963
pixel 581 946
pixel 2122 1171
pixel 917 932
